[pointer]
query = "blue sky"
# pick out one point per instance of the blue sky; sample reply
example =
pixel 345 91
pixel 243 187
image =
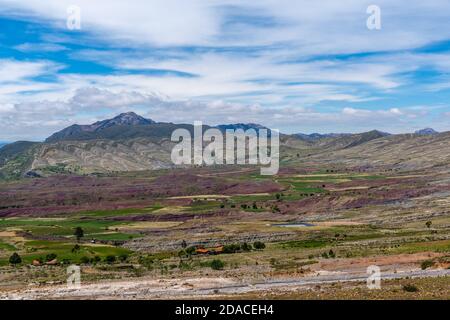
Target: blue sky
pixel 298 66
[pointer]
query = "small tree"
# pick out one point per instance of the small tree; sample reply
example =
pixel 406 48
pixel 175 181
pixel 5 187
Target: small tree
pixel 79 233
pixel 428 224
pixel 183 244
pixel 15 259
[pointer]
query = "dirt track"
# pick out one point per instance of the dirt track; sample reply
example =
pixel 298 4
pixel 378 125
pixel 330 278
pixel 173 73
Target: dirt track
pixel 198 288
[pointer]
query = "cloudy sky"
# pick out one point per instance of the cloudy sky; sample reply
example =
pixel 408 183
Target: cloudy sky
pixel 299 66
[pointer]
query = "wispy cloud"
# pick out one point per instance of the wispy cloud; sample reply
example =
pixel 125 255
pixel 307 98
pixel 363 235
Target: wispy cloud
pixel 285 62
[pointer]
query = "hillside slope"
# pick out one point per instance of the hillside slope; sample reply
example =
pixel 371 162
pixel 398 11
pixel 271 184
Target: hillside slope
pixel 406 151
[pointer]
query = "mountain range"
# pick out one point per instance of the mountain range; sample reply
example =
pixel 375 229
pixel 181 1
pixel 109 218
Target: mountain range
pixel 129 142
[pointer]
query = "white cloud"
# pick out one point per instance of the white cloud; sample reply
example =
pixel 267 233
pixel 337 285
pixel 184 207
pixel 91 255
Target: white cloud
pixel 40 47
pixel 260 61
pixel 37 120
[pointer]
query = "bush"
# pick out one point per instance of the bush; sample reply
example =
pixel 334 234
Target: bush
pixel 246 247
pixel 217 264
pixel 410 288
pixel 50 257
pixel 331 254
pixel 123 257
pixel 15 258
pixel 427 264
pixel 76 248
pixel 231 248
pixel 258 245
pixel 85 260
pixel 110 259
pixel 190 250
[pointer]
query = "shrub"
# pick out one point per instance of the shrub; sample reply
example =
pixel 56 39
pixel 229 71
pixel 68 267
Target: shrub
pixel 427 264
pixel 85 260
pixel 217 264
pixel 76 248
pixel 15 258
pixel 110 259
pixel 246 247
pixel 410 288
pixel 123 257
pixel 331 254
pixel 50 257
pixel 258 245
pixel 190 250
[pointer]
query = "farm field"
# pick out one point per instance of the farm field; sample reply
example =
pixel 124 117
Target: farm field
pixel 232 224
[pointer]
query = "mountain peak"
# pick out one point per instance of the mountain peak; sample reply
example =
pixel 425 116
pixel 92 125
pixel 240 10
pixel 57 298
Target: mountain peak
pixel 426 131
pixel 126 118
pixel 95 130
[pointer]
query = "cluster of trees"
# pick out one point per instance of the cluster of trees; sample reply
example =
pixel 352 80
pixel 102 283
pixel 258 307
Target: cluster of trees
pixel 236 247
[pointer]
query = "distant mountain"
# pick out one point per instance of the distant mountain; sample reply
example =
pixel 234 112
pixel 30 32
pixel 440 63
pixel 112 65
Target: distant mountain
pixel 426 132
pixel 129 142
pixel 3 144
pixel 130 125
pixel 317 136
pixel 105 129
pixel 243 126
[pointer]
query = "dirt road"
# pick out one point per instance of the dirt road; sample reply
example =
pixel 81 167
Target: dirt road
pixel 199 287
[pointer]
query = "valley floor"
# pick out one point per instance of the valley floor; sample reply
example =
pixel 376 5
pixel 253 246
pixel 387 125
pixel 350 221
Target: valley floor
pixel 307 233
